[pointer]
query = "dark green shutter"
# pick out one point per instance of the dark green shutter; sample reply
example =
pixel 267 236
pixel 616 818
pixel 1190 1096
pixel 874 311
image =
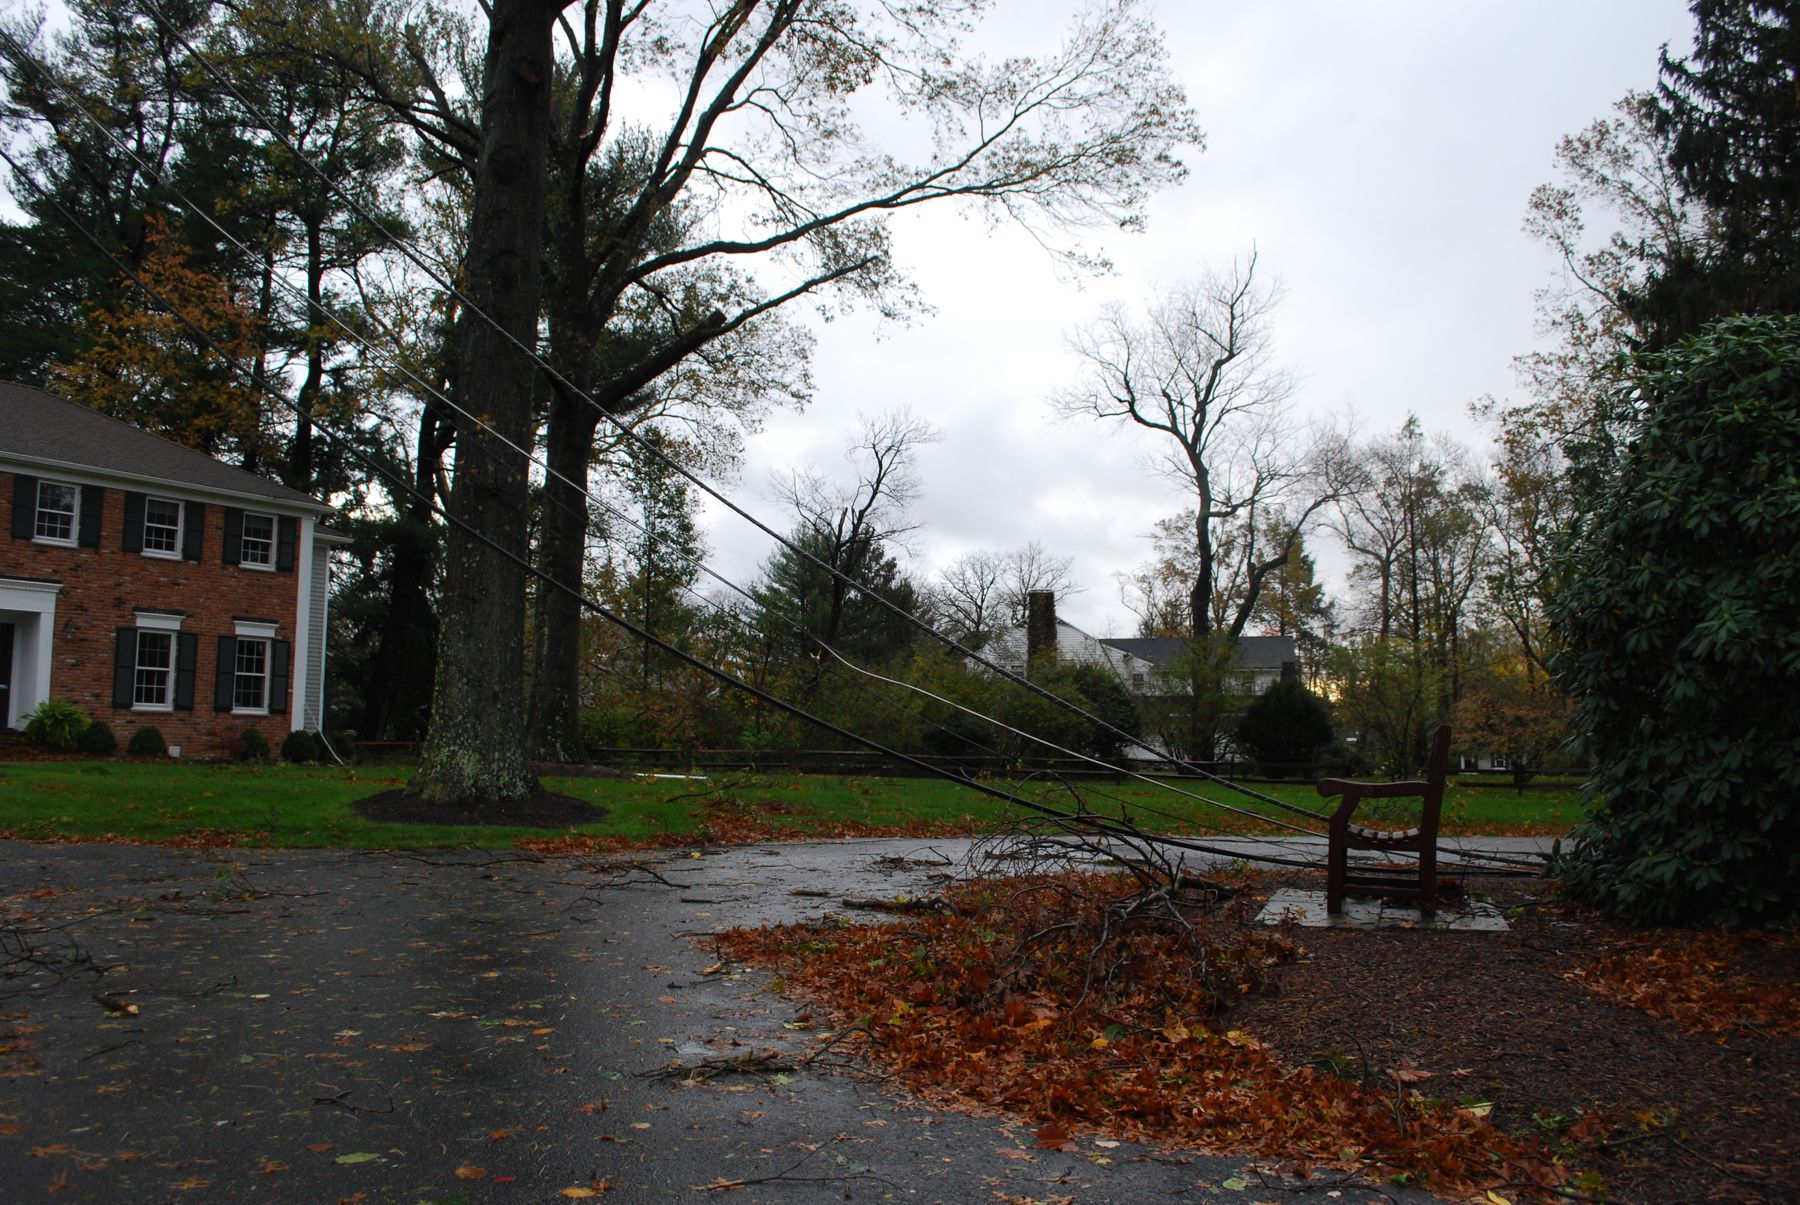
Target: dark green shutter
pixel 287 532
pixel 93 501
pixel 187 647
pixel 24 506
pixel 227 676
pixel 134 523
pixel 193 530
pixel 124 668
pixel 234 535
pixel 278 677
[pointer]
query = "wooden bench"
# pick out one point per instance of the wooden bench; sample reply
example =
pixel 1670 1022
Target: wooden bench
pixel 1393 881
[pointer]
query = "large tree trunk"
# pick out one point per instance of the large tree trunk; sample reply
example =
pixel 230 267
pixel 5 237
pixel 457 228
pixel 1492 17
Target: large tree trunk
pixel 475 749
pixel 555 727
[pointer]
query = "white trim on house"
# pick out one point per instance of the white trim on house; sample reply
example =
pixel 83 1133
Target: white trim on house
pixel 312 608
pixel 30 607
pixel 303 627
pixel 63 470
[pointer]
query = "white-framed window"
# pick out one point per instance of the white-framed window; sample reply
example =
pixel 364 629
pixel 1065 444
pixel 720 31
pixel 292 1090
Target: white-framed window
pixel 152 686
pixel 1501 762
pixel 58 512
pixel 250 677
pixel 162 527
pixel 257 548
pixel 1137 679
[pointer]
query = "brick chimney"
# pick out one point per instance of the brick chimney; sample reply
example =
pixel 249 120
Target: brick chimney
pixel 1040 624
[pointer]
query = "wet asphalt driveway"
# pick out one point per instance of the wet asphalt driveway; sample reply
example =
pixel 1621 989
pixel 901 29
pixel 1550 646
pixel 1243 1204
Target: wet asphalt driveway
pixel 207 1025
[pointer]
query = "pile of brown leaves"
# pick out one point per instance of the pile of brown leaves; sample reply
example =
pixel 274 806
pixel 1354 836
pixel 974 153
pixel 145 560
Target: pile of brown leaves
pixel 1074 1002
pixel 1706 982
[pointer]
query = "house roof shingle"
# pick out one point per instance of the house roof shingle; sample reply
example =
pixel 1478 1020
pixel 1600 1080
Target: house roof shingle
pixel 35 425
pixel 1253 652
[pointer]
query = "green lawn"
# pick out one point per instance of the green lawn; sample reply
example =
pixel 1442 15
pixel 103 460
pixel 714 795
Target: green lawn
pixel 297 806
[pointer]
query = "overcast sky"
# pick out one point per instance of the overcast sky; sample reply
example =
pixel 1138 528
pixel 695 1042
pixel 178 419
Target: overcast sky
pixel 1378 155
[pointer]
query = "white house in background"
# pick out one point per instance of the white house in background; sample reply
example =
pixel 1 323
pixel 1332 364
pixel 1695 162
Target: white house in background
pixel 1148 667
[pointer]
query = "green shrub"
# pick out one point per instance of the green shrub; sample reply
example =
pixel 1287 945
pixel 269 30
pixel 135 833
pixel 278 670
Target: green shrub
pixel 147 742
pixel 251 745
pixel 1286 726
pixel 97 740
pixel 57 724
pixel 300 746
pixel 1675 607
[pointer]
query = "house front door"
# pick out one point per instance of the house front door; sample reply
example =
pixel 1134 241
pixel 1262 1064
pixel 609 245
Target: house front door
pixel 6 671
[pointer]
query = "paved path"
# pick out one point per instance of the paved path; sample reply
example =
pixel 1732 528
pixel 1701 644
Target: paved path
pixel 204 1025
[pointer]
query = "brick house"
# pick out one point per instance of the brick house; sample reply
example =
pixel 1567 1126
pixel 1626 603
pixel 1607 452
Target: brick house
pixel 150 584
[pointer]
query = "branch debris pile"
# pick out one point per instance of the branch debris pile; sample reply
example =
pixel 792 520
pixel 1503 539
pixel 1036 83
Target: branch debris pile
pixel 1066 999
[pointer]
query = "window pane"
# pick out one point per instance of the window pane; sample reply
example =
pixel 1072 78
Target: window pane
pixel 151 685
pixel 258 547
pixel 249 686
pixel 162 525
pixel 56 510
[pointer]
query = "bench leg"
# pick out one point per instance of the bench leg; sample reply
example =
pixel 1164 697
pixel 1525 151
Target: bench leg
pixel 1337 860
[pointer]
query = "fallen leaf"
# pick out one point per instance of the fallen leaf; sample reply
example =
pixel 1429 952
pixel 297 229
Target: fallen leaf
pixel 321 1147
pixel 1409 1075
pixel 358 1157
pixel 471 1172
pixel 1053 1137
pixel 1013 1152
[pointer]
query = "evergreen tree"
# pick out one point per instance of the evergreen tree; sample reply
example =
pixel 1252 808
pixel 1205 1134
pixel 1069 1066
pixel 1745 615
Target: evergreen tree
pixel 1731 115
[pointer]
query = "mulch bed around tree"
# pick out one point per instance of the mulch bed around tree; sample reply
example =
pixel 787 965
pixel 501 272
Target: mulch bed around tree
pixel 1660 1108
pixel 540 809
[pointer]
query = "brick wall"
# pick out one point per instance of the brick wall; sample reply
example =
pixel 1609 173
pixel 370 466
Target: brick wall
pixel 100 589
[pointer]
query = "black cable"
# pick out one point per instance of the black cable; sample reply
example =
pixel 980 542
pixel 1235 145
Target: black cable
pixel 628 432
pixel 1082 821
pixel 434 393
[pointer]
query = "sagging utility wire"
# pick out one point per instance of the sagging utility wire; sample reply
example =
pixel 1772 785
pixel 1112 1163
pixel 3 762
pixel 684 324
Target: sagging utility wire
pixel 1087 822
pixel 630 433
pixel 431 391
pixel 625 429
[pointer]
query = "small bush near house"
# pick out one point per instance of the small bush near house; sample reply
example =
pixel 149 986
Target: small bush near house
pixel 1286 726
pixel 97 740
pixel 147 742
pixel 251 745
pixel 300 746
pixel 57 724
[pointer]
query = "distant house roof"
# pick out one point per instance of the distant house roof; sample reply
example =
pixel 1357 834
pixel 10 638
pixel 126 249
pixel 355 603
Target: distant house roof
pixel 1253 652
pixel 41 430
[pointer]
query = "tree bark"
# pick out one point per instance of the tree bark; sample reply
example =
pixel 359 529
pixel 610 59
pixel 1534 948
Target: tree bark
pixel 555 719
pixel 475 748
